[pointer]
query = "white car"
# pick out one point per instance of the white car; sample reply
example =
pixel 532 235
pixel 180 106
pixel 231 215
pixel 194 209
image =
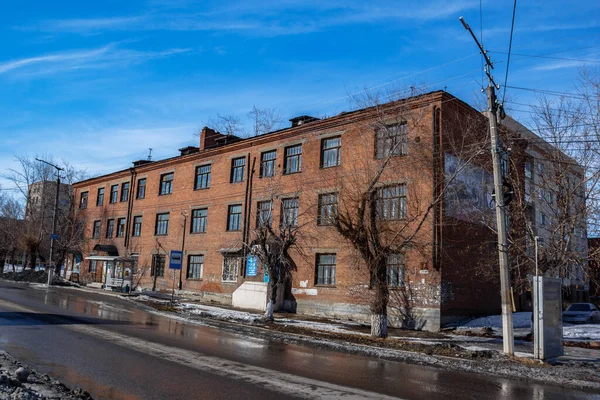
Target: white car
pixel 580 313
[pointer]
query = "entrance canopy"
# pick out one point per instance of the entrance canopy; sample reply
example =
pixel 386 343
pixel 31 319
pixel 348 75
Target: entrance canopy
pixel 109 249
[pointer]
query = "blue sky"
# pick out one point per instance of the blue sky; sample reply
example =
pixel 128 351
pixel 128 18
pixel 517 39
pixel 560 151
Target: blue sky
pixel 98 83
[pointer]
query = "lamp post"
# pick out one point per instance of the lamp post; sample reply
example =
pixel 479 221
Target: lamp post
pixel 535 241
pixel 185 215
pixel 53 236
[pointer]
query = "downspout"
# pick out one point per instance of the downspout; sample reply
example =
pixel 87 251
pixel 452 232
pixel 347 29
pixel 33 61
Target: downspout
pixel 438 176
pixel 129 209
pixel 247 208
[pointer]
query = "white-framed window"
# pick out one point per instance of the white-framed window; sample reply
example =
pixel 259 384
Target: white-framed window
pixel 395 270
pixel 264 213
pixel 195 266
pixel 331 152
pixel 234 217
pixel 199 218
pixel 289 212
pixel 391 202
pixel 231 267
pixel 325 269
pixel 328 209
pixel 268 160
pixel 391 141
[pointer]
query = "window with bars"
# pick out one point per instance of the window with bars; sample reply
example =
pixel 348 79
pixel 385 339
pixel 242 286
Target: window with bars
pixel 195 266
pixel 83 200
pixel 114 193
pixel 199 219
pixel 202 177
pixel 328 209
pixel 234 217
pixel 267 164
pixel 125 191
pixel 141 189
pixel 100 197
pixel 121 227
pixel 391 141
pixel 289 212
pixel 231 266
pixel 331 152
pixel 395 270
pixel 96 230
pixel 137 226
pixel 325 273
pixel 158 265
pixel 166 184
pixel 110 228
pixel 162 224
pixel 237 169
pixel 391 202
pixel 264 213
pixel 293 159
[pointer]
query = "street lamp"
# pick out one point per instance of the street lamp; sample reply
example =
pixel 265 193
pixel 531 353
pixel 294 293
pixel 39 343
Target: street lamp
pixel 535 241
pixel 53 236
pixel 184 215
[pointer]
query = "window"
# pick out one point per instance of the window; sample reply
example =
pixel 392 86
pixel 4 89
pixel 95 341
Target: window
pixel 96 231
pixel 166 184
pixel 121 227
pixel 391 202
pixel 540 168
pixel 158 265
pixel 100 198
pixel 289 212
pixel 110 228
pixel 199 220
pixel 293 159
pixel 141 188
pixel 237 169
pixel 331 152
pixel 328 209
pixel 162 224
pixel 137 226
pixel 125 191
pixel 325 269
pixel 83 200
pixel 395 270
pixel 267 164
pixel 92 266
pixel 195 267
pixel 114 193
pixel 391 141
pixel 202 177
pixel 543 219
pixel 264 213
pixel 528 170
pixel 234 218
pixel 231 266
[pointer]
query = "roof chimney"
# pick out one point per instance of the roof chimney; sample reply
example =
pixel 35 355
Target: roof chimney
pixel 303 119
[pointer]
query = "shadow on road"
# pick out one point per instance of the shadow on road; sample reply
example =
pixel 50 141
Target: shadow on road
pixel 12 287
pixel 28 318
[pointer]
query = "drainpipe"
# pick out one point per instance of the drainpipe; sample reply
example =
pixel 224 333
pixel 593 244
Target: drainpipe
pixel 247 208
pixel 129 209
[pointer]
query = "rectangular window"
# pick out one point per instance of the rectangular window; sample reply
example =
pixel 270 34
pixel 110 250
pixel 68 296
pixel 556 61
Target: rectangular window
pixel 328 209
pixel 293 159
pixel 100 198
pixel 141 188
pixel 110 228
pixel 114 193
pixel 237 169
pixel 202 177
pixel 195 267
pixel 231 266
pixel 543 219
pixel 325 274
pixel 199 218
pixel 121 227
pixel 391 141
pixel 267 164
pixel 137 226
pixel 528 170
pixel 395 270
pixel 234 218
pixel 166 184
pixel 391 202
pixel 162 224
pixel 83 200
pixel 125 191
pixel 96 231
pixel 331 152
pixel 158 265
pixel 289 212
pixel 264 213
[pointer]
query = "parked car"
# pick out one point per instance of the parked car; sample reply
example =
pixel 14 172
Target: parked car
pixel 581 313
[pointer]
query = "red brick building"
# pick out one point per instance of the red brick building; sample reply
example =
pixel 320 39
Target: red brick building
pixel 206 202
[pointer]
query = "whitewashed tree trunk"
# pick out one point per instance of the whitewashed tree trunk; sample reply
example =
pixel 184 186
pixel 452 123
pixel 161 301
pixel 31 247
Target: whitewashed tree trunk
pixel 269 312
pixel 379 325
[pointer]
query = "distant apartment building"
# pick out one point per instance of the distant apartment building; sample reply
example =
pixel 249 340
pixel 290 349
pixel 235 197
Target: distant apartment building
pixel 208 200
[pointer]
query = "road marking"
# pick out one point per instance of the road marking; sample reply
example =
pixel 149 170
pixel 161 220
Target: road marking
pixel 282 382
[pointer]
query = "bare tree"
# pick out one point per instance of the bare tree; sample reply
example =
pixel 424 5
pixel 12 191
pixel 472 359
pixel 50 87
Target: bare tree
pixel 264 120
pixel 261 120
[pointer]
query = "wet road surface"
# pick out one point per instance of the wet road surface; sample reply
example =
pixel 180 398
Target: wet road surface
pixel 115 349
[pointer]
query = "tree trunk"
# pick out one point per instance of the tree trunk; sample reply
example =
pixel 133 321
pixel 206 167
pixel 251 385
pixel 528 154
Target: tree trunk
pixel 271 302
pixel 379 325
pixel 379 320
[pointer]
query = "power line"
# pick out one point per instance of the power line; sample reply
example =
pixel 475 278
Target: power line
pixel 548 57
pixel 549 92
pixel 512 27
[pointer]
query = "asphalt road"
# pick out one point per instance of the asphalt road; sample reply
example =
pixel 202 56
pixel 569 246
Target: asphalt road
pixel 115 349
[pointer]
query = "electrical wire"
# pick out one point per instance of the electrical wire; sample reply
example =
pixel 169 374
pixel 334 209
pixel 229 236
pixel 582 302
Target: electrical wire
pixel 512 27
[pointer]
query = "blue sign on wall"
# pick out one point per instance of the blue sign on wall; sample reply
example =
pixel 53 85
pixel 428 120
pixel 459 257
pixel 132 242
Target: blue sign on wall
pixel 251 265
pixel 175 259
pixel 266 278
